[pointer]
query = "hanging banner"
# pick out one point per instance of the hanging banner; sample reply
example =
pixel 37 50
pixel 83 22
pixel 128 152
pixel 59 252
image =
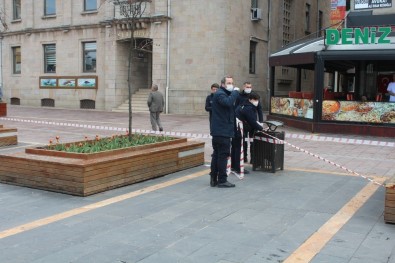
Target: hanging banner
pixel 364 4
pixel 338 12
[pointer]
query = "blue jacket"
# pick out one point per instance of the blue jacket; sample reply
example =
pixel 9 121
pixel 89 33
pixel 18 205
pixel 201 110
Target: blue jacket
pixel 247 113
pixel 244 98
pixel 223 113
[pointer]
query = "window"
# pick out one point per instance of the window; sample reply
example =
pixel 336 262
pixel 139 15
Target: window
pixel 320 18
pixel 90 5
pixel 49 7
pixel 16 57
pixel 286 22
pixel 254 3
pixel 89 49
pixel 307 19
pixel 16 9
pixel 252 56
pixel 50 58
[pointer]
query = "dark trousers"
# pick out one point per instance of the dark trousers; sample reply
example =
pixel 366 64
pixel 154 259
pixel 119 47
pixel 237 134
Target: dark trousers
pixel 219 158
pixel 236 148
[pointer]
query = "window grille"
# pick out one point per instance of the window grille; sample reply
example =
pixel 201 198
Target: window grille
pixel 15 101
pixel 47 103
pixel 87 104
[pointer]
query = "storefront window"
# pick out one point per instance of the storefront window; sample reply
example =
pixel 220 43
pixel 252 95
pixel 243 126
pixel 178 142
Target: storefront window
pixel 89 57
pixel 50 58
pixel 16 54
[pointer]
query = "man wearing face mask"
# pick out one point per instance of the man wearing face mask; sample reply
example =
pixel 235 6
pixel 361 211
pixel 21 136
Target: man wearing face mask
pixel 246 113
pixel 247 90
pixel 222 131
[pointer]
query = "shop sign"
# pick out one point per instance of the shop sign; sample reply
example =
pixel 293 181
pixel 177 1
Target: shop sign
pixel 364 4
pixel 350 36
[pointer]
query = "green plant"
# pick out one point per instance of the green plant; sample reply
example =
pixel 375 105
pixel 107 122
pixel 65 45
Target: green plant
pixel 106 144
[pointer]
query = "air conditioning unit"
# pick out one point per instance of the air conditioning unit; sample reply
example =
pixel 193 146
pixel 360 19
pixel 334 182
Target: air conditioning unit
pixel 256 14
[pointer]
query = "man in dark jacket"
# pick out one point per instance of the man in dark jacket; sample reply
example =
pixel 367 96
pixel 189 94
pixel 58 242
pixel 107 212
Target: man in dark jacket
pixel 247 90
pixel 247 114
pixel 209 99
pixel 222 131
pixel 155 104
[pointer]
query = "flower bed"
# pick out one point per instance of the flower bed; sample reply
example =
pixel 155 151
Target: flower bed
pixel 84 174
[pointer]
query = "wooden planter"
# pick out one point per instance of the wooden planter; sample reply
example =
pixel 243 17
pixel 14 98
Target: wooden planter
pixel 389 211
pixel 86 174
pixel 3 109
pixel 8 136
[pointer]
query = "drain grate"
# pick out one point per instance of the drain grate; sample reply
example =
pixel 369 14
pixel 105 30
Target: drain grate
pixel 87 104
pixel 47 103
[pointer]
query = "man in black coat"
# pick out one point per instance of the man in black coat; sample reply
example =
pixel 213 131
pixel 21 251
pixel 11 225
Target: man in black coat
pixel 247 114
pixel 222 131
pixel 209 99
pixel 247 90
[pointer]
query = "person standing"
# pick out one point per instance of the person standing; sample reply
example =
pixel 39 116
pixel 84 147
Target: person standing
pixel 247 114
pixel 391 89
pixel 222 131
pixel 209 99
pixel 243 98
pixel 155 104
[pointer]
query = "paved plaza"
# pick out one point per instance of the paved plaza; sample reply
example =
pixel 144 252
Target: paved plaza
pixel 312 211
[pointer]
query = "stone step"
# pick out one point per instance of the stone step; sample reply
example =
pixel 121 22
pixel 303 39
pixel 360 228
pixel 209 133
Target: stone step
pixel 139 102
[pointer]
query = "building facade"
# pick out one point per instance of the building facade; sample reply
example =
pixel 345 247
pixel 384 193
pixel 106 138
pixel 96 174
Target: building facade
pixel 74 54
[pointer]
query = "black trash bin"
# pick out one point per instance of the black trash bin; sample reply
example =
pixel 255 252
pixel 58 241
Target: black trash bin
pixel 268 153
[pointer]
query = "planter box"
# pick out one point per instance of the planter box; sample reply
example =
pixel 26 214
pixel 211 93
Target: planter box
pixel 389 210
pixel 8 136
pixel 3 109
pixel 86 174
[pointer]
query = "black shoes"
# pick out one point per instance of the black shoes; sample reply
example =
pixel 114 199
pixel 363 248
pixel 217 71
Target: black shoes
pixel 226 185
pixel 213 182
pixel 160 129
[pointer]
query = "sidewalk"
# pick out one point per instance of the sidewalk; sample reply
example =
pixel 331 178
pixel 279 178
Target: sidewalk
pixel 266 218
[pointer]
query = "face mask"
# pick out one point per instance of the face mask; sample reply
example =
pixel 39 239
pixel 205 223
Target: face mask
pixel 247 90
pixel 255 103
pixel 229 87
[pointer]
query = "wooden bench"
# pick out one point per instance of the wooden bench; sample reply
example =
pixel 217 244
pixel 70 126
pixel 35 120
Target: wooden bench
pixel 8 136
pixel 389 210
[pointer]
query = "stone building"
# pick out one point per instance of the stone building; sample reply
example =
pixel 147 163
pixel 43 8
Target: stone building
pixel 73 54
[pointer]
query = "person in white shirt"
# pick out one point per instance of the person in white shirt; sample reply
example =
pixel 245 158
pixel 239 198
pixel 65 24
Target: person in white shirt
pixel 391 89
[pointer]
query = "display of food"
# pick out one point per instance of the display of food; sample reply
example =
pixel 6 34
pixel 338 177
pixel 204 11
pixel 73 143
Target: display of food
pixel 292 107
pixel 356 111
pixel 330 106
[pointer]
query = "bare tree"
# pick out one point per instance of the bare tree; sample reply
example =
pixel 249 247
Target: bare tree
pixel 3 28
pixel 132 12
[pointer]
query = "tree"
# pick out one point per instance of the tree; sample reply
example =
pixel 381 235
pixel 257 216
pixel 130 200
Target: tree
pixel 132 12
pixel 3 28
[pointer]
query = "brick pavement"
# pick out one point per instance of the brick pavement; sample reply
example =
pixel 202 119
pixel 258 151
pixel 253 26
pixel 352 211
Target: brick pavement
pixel 266 218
